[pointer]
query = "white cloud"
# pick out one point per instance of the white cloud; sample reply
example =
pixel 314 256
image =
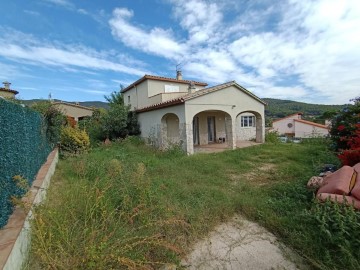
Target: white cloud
pixel 157 41
pixel 31 12
pixel 63 3
pixel 293 50
pixel 201 20
pixel 20 47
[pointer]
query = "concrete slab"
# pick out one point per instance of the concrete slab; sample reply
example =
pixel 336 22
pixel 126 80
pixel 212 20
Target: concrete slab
pixel 241 244
pixel 219 147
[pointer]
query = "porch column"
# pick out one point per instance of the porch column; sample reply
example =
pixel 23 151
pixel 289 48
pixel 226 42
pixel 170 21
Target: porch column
pixel 260 130
pixel 182 134
pixel 189 138
pixel 230 131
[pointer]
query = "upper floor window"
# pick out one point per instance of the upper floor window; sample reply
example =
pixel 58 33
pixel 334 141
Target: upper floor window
pixel 128 99
pixel 171 88
pixel 247 121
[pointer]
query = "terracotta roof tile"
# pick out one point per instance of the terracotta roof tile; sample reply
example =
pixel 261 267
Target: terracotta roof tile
pixel 9 90
pixel 288 116
pixel 311 123
pixel 198 93
pixel 73 105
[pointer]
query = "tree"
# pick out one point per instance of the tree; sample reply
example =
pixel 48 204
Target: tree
pixel 54 119
pixel 345 133
pixel 119 121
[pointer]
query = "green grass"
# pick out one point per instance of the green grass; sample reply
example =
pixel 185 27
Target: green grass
pixel 128 206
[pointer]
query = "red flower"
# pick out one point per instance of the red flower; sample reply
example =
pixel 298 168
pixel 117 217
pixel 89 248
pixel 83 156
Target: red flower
pixel 341 128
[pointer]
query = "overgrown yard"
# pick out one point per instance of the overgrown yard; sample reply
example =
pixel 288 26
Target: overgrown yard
pixel 130 206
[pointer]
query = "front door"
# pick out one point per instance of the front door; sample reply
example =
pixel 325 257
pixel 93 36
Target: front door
pixel 211 129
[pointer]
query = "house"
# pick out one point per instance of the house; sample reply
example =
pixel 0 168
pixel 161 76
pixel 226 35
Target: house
pixel 190 114
pixel 73 110
pixel 6 92
pixel 294 126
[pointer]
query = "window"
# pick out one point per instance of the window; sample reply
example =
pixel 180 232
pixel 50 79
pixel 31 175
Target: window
pixel 128 99
pixel 247 121
pixel 172 88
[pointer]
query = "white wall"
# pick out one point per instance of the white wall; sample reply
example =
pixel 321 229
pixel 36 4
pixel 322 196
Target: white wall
pixel 151 127
pixel 245 133
pixel 281 126
pixel 303 130
pixel 151 92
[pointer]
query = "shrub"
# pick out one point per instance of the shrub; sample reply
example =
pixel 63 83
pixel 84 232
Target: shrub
pixel 339 233
pixel 345 133
pixel 74 140
pixel 271 137
pixel 117 122
pixel 54 120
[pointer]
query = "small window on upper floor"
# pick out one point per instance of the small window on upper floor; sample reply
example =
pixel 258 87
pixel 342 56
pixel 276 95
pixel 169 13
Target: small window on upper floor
pixel 128 99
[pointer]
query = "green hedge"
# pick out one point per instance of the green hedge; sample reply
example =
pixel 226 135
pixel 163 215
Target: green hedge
pixel 23 149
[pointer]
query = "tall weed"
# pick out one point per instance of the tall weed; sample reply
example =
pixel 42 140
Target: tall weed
pixel 338 228
pixel 109 221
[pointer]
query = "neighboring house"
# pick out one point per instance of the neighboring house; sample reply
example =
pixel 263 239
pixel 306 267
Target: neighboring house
pixel 74 110
pixel 177 111
pixel 6 92
pixel 294 126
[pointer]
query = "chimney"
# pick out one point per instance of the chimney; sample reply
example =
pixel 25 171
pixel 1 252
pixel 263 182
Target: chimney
pixel 178 75
pixel 6 85
pixel 192 88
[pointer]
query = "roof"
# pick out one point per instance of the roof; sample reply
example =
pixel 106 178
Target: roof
pixel 158 78
pixel 198 93
pixel 9 90
pixel 311 123
pixel 73 105
pixel 299 113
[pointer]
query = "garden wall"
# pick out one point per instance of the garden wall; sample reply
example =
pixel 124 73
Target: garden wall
pixel 23 149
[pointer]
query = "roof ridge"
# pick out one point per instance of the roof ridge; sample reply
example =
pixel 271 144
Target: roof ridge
pixel 72 104
pixel 310 122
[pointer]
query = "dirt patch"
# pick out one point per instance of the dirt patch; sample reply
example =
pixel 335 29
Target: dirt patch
pixel 261 176
pixel 241 244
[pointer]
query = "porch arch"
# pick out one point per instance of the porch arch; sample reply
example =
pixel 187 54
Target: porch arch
pixel 249 126
pixel 212 127
pixel 170 129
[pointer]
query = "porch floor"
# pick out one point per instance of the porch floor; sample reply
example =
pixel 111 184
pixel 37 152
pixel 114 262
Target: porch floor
pixel 219 147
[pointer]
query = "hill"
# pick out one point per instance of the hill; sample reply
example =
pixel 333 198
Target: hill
pixel 96 104
pixel 278 108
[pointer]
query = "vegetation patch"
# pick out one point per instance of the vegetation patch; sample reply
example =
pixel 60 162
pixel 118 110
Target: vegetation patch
pixel 128 206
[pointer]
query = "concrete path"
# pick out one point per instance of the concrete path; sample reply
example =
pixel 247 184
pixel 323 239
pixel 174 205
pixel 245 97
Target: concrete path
pixel 241 244
pixel 219 147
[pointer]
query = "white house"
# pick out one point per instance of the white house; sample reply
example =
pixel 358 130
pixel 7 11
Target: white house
pixel 294 126
pixel 189 113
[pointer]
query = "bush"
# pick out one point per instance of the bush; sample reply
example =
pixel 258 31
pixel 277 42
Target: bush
pixel 339 233
pixel 54 120
pixel 345 134
pixel 74 140
pixel 271 137
pixel 117 122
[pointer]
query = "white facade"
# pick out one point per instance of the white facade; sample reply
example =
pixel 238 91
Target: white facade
pixel 293 125
pixel 205 116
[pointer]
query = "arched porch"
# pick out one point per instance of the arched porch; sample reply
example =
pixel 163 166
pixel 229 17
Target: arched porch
pixel 212 131
pixel 249 127
pixel 170 130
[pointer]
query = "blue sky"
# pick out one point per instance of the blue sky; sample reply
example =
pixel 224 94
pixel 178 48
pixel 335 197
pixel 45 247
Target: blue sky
pixel 80 50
